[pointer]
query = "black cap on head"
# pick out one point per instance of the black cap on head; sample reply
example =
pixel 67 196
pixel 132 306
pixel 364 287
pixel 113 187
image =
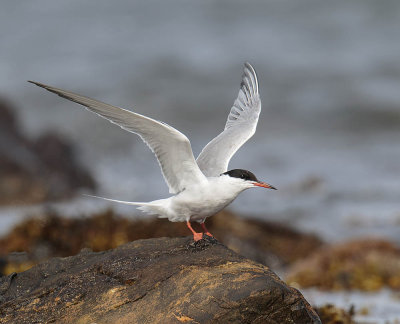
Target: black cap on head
pixel 241 174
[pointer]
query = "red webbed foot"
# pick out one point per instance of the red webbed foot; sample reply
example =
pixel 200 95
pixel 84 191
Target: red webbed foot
pixel 196 236
pixel 206 230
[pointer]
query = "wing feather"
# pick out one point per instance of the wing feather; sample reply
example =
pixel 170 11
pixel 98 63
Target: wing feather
pixel 240 126
pixel 171 147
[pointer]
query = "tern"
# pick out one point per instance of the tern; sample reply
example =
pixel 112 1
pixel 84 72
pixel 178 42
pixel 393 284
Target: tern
pixel 201 187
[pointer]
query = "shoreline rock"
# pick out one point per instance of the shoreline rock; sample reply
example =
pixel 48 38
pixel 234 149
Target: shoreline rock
pixel 164 280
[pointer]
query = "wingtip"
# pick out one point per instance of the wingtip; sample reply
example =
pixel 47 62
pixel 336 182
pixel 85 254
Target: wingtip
pixel 37 83
pixel 250 73
pixel 92 196
pixel 248 66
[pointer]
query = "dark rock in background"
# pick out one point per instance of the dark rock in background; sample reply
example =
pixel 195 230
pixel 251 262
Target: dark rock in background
pixel 160 280
pixel 40 238
pixel 36 170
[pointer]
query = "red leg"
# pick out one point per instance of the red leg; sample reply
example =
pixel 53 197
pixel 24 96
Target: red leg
pixel 196 236
pixel 203 225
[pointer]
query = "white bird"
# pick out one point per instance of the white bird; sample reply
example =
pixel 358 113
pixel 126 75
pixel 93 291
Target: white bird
pixel 201 187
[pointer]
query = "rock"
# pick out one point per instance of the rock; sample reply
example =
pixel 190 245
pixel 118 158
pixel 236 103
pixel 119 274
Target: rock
pixel 367 264
pixel 36 170
pixel 160 280
pixel 38 239
pixel 330 314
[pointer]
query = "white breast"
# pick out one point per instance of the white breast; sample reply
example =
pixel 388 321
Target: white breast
pixel 199 202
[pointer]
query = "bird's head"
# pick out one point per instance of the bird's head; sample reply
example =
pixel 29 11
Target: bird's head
pixel 247 179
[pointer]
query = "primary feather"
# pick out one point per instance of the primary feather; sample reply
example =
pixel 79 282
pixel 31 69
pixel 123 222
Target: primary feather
pixel 240 126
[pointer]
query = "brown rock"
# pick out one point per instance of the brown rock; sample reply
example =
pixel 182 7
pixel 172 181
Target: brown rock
pixel 367 264
pixel 330 314
pixel 152 281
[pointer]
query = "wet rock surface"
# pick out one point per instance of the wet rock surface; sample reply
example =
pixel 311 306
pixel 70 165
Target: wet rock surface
pixel 164 280
pixel 36 170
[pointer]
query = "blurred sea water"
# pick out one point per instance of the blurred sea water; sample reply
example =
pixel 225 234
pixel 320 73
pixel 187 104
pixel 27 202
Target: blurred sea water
pixel 329 73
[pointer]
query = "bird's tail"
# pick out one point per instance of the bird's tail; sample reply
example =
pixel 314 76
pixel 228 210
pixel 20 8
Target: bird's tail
pixel 152 207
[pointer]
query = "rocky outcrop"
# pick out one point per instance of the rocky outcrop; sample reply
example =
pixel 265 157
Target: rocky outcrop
pixel 36 170
pixel 160 280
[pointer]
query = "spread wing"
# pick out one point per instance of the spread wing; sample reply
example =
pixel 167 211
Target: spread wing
pixel 240 126
pixel 171 147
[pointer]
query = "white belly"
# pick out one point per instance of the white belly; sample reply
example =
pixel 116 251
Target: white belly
pixel 198 203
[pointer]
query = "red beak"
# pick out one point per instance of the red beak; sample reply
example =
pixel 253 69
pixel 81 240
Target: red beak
pixel 264 185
